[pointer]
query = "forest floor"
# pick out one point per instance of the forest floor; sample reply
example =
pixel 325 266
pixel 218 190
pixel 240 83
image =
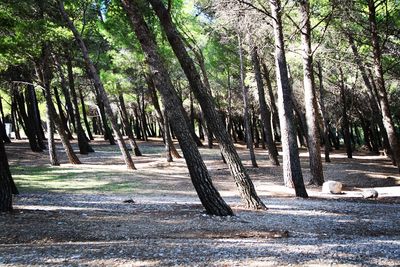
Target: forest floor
pixel 100 214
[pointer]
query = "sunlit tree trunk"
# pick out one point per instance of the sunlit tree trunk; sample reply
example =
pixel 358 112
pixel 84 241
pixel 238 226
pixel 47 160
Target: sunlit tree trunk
pixel 291 161
pixel 310 100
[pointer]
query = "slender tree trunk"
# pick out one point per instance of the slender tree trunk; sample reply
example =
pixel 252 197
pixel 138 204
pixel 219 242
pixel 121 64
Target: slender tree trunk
pixel 127 126
pixel 291 161
pixel 61 112
pixel 97 83
pixel 325 121
pixel 242 179
pixel 14 120
pixel 380 84
pixel 84 146
pixel 209 196
pixel 272 104
pixel 264 110
pixel 314 149
pixel 167 136
pixel 33 111
pixel 246 115
pixel 84 114
pixel 346 129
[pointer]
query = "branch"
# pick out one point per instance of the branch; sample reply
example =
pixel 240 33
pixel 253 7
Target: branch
pixel 264 11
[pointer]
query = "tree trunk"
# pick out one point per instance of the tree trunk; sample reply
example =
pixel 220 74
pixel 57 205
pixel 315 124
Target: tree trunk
pixel 346 129
pixel 4 137
pixel 84 115
pixel 272 104
pixel 5 181
pixel 27 122
pixel 97 83
pixel 291 161
pixel 84 146
pixel 209 196
pixel 127 126
pixel 246 115
pixel 167 136
pixel 380 84
pixel 310 100
pixel 14 120
pixel 61 112
pixel 242 179
pixel 264 110
pixel 325 121
pixel 44 75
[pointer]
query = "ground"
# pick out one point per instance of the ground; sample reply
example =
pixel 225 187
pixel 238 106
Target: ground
pixel 100 214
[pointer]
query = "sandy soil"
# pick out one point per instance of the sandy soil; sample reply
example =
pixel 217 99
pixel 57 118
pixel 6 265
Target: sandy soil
pixel 100 214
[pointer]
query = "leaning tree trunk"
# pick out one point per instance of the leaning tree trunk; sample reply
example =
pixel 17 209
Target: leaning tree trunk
pixel 325 121
pixel 291 161
pixel 209 196
pixel 310 100
pixel 97 83
pixel 380 84
pixel 242 179
pixel 3 132
pixel 264 110
pixel 346 127
pixel 44 77
pixel 83 144
pixel 127 125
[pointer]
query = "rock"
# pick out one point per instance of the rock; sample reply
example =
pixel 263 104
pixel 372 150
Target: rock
pixel 370 193
pixel 332 187
pixel 129 201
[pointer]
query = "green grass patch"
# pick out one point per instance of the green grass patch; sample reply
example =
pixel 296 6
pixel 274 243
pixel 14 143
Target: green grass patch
pixel 59 179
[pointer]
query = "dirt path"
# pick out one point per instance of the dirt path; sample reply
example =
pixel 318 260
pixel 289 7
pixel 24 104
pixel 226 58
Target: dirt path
pixel 76 215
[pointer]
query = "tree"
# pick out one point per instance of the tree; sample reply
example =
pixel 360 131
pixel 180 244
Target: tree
pixel 317 175
pixel 242 179
pixel 264 110
pixel 99 87
pixel 209 196
pixel 380 83
pixel 291 162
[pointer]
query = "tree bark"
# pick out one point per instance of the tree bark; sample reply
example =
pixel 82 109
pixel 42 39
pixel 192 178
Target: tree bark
pixel 84 115
pixel 327 143
pixel 380 84
pixel 242 179
pixel 97 83
pixel 310 100
pixel 246 115
pixel 272 104
pixel 83 144
pixel 345 126
pixel 208 195
pixel 264 110
pixel 5 181
pixel 127 126
pixel 291 161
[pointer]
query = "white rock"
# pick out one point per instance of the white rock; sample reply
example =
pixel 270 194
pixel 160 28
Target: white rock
pixel 332 187
pixel 370 193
